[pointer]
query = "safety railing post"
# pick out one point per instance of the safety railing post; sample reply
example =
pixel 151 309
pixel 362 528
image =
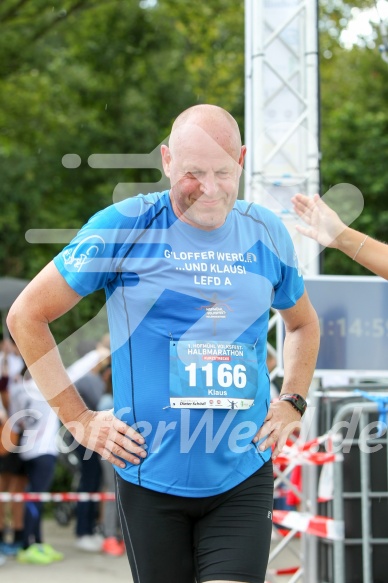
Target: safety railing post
pixel 365 503
pixel 338 514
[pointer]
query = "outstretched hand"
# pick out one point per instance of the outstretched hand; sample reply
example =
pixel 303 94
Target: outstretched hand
pixel 105 434
pixel 324 223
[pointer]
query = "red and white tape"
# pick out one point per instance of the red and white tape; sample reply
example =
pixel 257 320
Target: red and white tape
pixel 283 571
pixel 320 526
pixel 56 496
pixel 301 521
pixel 306 453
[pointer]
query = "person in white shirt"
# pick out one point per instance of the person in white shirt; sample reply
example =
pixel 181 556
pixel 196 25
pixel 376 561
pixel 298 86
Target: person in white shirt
pixel 31 430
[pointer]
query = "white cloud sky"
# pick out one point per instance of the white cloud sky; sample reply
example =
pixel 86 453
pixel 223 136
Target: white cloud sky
pixel 360 25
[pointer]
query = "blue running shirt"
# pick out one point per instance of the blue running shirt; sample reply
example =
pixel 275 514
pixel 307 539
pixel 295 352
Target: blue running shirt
pixel 169 283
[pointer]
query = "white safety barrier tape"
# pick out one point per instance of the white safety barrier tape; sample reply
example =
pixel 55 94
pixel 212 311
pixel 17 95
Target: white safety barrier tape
pixel 320 526
pixel 56 496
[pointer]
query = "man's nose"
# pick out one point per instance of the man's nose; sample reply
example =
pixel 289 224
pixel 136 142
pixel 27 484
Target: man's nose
pixel 208 184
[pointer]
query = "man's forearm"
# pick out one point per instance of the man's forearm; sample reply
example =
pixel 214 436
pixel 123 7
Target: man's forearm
pixel 300 354
pixel 41 355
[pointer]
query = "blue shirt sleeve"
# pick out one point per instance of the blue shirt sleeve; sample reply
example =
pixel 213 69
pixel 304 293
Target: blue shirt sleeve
pixel 88 262
pixel 291 285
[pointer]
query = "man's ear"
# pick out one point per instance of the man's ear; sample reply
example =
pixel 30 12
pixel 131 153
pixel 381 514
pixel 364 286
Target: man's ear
pixel 242 156
pixel 166 159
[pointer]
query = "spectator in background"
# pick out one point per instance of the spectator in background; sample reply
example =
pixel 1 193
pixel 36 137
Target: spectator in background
pixel 113 541
pixel 11 365
pixel 12 469
pixel 13 479
pixel 91 388
pixel 31 430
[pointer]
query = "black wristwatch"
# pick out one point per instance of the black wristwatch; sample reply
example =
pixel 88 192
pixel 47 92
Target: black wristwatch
pixel 297 401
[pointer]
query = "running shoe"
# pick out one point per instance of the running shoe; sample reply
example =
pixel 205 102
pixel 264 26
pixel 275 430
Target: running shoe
pixel 34 555
pixel 51 552
pixel 111 546
pixel 91 543
pixel 10 549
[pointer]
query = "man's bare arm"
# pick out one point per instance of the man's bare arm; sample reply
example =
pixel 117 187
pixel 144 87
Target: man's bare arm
pixel 45 299
pixel 300 353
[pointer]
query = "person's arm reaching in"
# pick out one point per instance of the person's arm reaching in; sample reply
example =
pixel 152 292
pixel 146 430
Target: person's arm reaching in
pixel 325 226
pixel 300 353
pixel 45 299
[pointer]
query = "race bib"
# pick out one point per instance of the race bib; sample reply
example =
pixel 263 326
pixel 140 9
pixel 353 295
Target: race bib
pixel 212 374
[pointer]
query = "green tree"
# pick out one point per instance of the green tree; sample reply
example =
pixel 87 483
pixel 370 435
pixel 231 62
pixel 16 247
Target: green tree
pixel 354 125
pixel 105 77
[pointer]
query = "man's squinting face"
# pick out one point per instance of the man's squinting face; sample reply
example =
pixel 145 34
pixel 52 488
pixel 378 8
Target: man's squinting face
pixel 204 177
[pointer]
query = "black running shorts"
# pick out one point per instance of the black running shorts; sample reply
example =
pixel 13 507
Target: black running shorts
pixel 174 539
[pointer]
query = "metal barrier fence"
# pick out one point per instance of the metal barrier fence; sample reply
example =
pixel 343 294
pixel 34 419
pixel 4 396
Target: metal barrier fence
pixel 303 524
pixel 357 422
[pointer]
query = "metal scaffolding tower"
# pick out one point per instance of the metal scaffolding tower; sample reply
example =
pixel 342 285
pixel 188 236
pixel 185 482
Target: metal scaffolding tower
pixel 282 113
pixel 282 109
pixel 282 138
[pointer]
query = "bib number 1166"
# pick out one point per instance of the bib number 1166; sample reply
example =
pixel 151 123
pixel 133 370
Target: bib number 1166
pixel 226 375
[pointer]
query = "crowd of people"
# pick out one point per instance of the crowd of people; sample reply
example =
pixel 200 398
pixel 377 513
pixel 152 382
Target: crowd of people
pixel 29 455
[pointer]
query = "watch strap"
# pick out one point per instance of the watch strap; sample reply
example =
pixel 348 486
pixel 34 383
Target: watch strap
pixel 296 400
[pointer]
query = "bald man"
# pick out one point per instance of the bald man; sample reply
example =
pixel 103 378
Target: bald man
pixel 190 275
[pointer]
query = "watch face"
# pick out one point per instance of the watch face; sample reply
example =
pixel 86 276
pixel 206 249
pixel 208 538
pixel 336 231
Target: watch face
pixel 301 404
